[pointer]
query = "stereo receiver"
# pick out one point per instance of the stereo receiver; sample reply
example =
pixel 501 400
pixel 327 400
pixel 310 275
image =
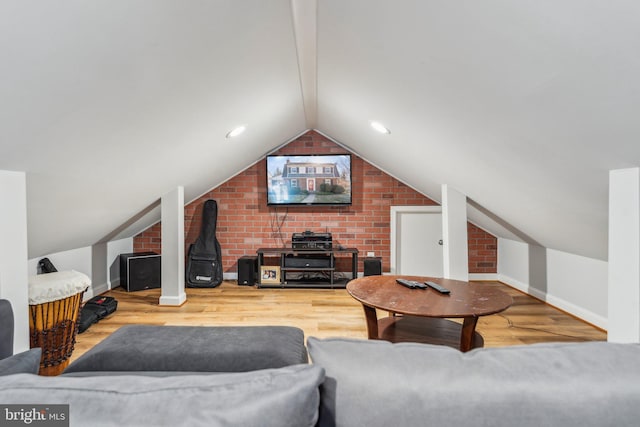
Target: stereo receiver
pixel 311 241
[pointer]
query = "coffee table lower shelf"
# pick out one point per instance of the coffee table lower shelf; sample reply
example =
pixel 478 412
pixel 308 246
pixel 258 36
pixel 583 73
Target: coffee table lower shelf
pixel 428 330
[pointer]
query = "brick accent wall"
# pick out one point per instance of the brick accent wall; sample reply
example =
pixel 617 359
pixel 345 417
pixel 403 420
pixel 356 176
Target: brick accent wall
pixel 483 250
pixel 246 223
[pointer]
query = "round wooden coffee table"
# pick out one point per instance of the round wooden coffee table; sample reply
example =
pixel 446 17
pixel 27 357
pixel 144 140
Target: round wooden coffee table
pixel 425 312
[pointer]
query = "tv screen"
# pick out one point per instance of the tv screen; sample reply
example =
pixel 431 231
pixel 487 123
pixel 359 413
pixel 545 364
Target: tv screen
pixel 309 180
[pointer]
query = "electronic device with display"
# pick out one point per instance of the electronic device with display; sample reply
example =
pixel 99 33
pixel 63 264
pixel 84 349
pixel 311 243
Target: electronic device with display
pixel 309 179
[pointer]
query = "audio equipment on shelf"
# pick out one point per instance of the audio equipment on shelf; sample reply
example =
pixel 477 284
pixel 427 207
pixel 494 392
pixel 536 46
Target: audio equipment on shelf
pixel 312 241
pixel 311 261
pixel 307 268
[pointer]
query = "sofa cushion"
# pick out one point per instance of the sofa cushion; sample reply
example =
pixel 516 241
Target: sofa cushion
pixel 195 348
pixel 27 362
pixel 275 397
pixel 376 383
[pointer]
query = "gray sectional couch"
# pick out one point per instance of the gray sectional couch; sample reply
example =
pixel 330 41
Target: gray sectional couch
pixel 258 376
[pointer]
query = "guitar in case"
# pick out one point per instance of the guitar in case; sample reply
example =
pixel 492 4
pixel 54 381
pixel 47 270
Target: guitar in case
pixel 204 258
pixel 87 318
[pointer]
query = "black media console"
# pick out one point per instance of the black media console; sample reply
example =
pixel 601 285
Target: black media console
pixel 304 268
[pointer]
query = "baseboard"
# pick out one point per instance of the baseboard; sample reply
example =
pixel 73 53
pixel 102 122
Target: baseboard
pixel 516 284
pixel 559 303
pixel 173 300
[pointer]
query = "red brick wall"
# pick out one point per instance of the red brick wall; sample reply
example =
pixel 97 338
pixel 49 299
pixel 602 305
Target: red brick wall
pixel 246 223
pixel 483 250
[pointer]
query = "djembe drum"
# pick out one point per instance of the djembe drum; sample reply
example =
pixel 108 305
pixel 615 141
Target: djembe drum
pixel 54 307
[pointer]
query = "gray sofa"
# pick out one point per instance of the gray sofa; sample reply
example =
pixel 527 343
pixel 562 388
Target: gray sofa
pixel 257 377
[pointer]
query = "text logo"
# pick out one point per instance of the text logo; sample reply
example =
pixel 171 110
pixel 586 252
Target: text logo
pixel 34 415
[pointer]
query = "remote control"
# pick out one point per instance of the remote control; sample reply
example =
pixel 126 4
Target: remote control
pixel 438 288
pixel 411 284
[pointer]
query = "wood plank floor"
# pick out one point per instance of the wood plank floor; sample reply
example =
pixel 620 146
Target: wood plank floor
pixel 323 313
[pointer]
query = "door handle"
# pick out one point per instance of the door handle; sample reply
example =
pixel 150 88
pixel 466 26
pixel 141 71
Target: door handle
pixel 440 242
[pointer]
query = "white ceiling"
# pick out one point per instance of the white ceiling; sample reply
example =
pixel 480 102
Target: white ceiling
pixel 524 106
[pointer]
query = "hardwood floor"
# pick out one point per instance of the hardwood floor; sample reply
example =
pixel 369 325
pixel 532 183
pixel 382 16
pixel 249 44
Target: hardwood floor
pixel 323 313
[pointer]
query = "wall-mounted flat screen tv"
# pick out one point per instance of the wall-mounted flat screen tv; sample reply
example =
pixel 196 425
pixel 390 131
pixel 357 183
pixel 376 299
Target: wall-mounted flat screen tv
pixel 309 180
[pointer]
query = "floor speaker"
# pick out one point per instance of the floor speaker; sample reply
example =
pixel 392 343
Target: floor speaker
pixel 372 266
pixel 247 270
pixel 140 270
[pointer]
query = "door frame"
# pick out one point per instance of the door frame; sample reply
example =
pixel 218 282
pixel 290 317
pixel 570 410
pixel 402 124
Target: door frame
pixel 395 212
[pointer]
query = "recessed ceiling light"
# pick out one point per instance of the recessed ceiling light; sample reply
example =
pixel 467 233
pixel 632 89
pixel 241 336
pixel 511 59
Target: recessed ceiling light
pixel 236 131
pixel 379 127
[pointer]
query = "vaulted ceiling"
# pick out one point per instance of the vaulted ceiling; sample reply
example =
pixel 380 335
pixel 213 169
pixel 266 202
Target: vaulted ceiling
pixel 523 106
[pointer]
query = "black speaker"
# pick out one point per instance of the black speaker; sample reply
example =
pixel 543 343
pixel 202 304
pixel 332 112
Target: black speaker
pixel 247 270
pixel 140 270
pixel 372 266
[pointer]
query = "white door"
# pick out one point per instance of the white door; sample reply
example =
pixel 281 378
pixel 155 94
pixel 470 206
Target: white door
pixel 416 240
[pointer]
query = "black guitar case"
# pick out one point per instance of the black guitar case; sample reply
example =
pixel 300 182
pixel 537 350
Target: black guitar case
pixel 204 258
pixel 97 308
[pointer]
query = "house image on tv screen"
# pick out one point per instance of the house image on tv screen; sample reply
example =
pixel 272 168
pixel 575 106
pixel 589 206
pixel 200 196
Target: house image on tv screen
pixel 310 182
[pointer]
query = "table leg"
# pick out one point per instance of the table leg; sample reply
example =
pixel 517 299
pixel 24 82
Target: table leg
pixel 468 332
pixel 372 322
pixel 354 265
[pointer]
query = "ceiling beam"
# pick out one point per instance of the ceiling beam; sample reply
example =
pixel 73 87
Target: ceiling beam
pixel 304 16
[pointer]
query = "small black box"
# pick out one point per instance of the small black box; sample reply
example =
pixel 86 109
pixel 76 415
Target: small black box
pixel 311 261
pixel 247 270
pixel 140 270
pixel 372 266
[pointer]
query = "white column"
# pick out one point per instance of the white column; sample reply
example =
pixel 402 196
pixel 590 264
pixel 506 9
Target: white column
pixel 172 229
pixel 624 256
pixel 13 253
pixel 454 234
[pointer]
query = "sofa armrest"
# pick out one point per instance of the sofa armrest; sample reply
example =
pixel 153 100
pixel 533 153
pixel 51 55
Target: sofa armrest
pixel 6 329
pixel 27 362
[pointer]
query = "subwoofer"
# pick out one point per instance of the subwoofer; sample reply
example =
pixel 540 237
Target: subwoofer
pixel 372 266
pixel 140 270
pixel 247 270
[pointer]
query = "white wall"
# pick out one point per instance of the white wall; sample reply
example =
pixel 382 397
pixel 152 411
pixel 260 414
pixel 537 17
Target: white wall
pixel 101 266
pixel 13 252
pixel 114 249
pixel 74 259
pixel 513 263
pixel 573 283
pixel 624 255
